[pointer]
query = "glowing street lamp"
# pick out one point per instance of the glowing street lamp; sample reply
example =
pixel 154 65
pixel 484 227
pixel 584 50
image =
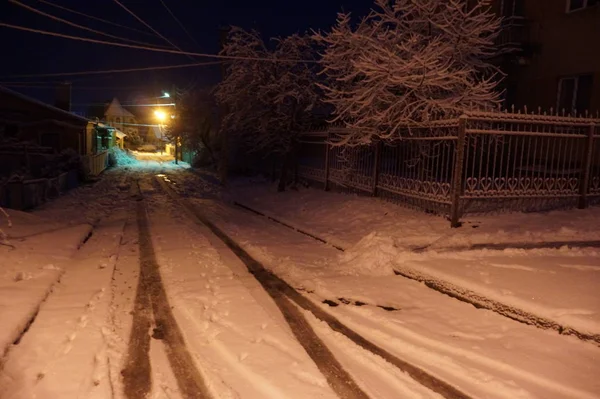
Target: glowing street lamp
pixel 160 115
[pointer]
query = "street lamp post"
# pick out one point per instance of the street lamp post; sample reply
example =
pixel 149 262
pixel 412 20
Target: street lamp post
pixel 163 118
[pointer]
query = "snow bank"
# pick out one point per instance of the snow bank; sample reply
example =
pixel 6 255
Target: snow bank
pixel 122 157
pixel 373 255
pixel 347 218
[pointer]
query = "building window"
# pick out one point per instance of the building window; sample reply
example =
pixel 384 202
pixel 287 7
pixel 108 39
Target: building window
pixel 574 5
pixel 117 120
pixel 574 93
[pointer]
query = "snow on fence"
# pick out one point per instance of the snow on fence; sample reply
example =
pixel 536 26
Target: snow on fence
pixel 28 194
pixel 480 162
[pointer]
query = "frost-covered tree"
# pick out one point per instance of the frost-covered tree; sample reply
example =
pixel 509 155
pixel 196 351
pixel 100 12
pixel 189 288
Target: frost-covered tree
pixel 195 124
pixel 407 61
pixel 268 93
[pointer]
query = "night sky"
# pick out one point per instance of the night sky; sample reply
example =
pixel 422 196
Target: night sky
pixel 31 53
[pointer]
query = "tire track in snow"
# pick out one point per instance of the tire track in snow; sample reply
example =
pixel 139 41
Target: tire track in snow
pixel 151 300
pixel 283 295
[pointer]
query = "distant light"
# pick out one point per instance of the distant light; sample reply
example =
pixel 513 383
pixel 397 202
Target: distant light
pixel 166 95
pixel 160 115
pixel 172 116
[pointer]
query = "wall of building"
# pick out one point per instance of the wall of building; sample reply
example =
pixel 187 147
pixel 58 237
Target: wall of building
pixel 30 121
pixel 564 44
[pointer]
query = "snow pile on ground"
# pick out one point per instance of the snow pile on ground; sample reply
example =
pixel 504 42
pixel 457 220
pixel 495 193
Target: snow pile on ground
pixel 122 157
pixel 373 255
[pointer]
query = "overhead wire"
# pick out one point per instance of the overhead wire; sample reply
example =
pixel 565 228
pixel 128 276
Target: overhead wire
pixel 50 86
pixel 179 23
pixel 195 80
pixel 146 24
pixel 67 22
pixel 95 18
pixel 160 50
pixel 92 72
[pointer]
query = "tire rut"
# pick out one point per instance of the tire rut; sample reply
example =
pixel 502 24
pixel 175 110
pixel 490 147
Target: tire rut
pixel 283 294
pixel 151 303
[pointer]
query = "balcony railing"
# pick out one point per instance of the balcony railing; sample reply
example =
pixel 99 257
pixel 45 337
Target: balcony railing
pixel 514 34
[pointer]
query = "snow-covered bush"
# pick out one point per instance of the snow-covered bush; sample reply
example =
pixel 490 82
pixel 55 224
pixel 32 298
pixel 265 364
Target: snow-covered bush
pixel 407 62
pixel 196 126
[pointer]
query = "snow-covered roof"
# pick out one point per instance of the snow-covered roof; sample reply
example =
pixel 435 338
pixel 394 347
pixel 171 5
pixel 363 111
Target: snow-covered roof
pixel 115 108
pixel 42 104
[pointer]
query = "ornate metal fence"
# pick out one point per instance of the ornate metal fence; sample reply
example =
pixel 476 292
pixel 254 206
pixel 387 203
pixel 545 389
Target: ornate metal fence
pixel 480 162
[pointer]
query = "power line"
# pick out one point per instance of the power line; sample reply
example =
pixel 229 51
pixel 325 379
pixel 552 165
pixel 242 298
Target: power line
pixel 196 64
pixel 50 86
pixel 179 22
pixel 85 39
pixel 64 21
pixel 146 24
pixel 96 18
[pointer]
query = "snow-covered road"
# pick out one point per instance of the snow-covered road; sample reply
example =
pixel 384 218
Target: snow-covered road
pixel 179 294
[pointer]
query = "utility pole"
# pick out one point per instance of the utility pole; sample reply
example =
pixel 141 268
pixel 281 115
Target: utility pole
pixel 176 123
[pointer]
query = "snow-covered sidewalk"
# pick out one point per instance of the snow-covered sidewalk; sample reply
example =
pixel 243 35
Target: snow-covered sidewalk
pixel 64 353
pixel 345 219
pixel 556 288
pixel 30 264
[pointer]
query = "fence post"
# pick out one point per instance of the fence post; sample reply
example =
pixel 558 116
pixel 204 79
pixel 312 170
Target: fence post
pixel 459 155
pixel 585 182
pixel 327 148
pixel 376 167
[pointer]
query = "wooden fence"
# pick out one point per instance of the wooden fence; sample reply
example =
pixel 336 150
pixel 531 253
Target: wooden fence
pixel 95 164
pixel 28 194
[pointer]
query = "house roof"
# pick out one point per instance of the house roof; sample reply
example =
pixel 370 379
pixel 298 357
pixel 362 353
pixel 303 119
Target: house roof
pixel 49 107
pixel 115 108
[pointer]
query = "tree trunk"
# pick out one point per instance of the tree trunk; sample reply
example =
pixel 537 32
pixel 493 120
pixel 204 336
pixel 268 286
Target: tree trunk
pixel 224 159
pixel 284 170
pixel 290 162
pixel 274 170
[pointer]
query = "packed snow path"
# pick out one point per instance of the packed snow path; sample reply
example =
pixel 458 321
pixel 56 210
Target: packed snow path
pixel 151 303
